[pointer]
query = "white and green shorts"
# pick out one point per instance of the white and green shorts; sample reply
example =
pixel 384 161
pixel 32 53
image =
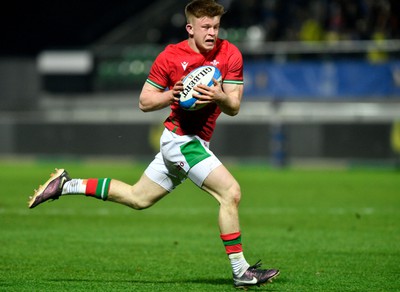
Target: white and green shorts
pixel 181 157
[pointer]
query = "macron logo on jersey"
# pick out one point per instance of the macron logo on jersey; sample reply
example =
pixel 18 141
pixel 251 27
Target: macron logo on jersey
pixel 184 65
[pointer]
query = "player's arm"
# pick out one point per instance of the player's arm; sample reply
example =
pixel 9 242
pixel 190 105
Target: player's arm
pixel 230 99
pixel 153 98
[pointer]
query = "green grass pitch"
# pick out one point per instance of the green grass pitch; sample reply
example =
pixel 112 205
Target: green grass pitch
pixel 326 230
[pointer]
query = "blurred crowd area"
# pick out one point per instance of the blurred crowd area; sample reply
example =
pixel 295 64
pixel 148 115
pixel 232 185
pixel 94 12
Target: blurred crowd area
pixel 250 23
pixel 316 20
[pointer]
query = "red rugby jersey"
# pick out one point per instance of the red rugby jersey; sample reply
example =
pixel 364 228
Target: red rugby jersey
pixel 178 60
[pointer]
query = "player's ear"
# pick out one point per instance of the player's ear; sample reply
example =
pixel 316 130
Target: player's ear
pixel 189 29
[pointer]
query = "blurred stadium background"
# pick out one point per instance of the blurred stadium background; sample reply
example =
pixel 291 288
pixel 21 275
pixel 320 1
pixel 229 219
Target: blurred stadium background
pixel 322 79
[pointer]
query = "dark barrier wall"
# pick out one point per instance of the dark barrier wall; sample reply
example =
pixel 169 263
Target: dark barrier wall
pixel 345 141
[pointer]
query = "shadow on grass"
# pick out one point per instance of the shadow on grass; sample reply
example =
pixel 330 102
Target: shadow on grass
pixel 133 281
pixel 212 282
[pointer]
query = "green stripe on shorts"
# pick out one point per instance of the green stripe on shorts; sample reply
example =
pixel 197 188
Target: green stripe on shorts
pixel 194 152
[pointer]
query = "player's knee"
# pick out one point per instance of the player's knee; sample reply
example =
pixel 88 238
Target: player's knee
pixel 138 201
pixel 237 194
pixel 234 194
pixel 139 205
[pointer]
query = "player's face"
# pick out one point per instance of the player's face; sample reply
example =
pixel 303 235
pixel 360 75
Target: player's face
pixel 203 33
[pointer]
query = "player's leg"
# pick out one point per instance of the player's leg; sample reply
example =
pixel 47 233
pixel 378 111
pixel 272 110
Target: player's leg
pixel 154 184
pixel 141 195
pixel 225 189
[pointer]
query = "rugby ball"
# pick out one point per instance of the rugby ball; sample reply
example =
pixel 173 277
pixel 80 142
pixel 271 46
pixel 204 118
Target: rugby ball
pixel 201 75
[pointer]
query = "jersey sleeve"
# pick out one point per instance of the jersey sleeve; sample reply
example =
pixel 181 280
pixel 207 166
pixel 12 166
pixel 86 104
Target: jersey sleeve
pixel 158 75
pixel 235 66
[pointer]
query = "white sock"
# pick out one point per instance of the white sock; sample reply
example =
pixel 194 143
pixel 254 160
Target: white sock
pixel 239 264
pixel 74 186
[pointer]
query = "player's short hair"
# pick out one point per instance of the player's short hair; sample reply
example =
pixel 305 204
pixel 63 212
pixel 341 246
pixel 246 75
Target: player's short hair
pixel 203 8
